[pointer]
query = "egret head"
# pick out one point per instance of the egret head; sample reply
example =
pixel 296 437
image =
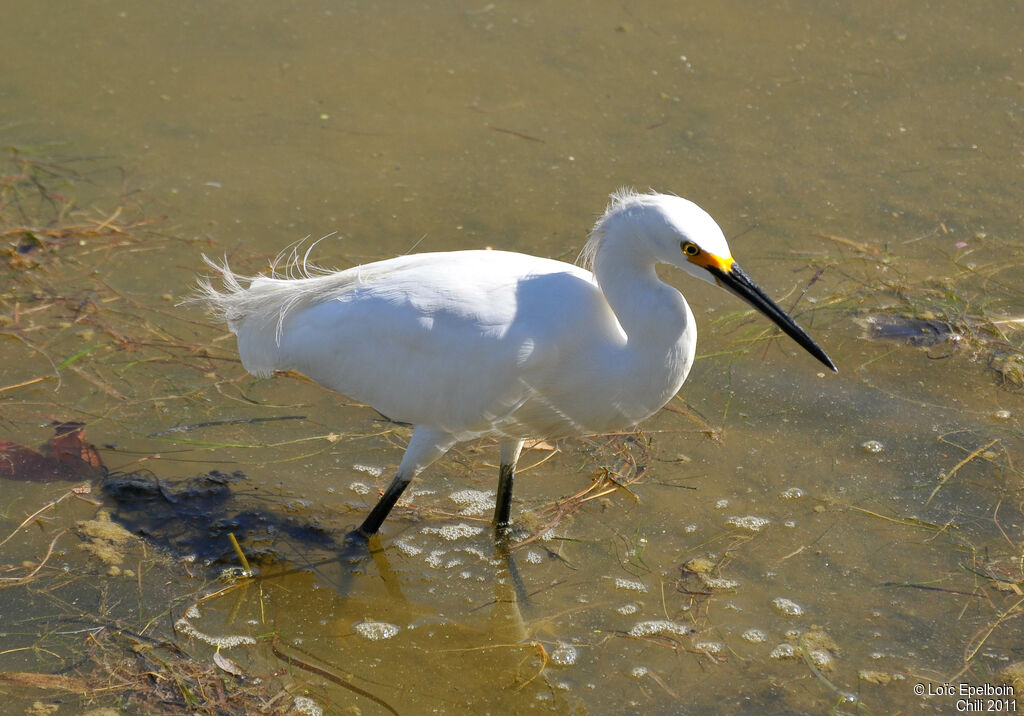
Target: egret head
pixel 672 230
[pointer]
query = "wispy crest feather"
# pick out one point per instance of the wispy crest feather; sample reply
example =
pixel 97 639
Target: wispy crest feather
pixel 620 199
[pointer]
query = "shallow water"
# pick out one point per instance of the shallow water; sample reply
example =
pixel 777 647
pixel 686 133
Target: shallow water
pixel 864 157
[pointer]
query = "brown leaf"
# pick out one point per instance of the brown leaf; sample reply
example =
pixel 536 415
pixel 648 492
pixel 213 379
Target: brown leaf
pixel 65 457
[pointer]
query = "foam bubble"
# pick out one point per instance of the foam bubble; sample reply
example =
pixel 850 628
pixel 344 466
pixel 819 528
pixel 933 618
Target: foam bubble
pixel 454 532
pixel 872 447
pixel 787 607
pixel 375 631
pixel 709 647
pixel 408 548
pixel 564 654
pixel 475 552
pixel 783 652
pixel 184 626
pixel 751 523
pixel 659 626
pixel 754 636
pixel 820 658
pixel 630 584
pixel 473 502
pixel 307 706
pixel 719 582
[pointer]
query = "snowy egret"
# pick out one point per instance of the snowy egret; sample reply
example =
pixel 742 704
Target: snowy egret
pixel 464 344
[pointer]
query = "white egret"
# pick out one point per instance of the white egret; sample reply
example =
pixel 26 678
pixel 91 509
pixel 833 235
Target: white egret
pixel 464 344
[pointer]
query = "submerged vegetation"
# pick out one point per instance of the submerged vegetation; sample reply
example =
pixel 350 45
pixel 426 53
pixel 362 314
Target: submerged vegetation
pixel 969 303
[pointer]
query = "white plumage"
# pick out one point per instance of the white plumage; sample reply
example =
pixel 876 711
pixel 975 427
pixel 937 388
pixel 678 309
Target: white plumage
pixel 469 343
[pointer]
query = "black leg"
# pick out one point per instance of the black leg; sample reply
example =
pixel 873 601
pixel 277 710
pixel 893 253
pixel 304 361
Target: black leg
pixel 426 445
pixel 380 511
pixel 509 450
pixel 503 504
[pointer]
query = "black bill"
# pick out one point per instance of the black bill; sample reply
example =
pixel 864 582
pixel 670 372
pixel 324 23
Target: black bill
pixel 740 284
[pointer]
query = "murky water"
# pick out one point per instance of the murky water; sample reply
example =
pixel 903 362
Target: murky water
pixel 794 542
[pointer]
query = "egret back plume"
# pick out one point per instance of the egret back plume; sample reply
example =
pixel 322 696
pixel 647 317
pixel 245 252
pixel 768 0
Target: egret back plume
pixel 255 307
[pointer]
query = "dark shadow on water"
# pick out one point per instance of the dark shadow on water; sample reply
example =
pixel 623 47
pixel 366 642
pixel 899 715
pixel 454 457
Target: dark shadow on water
pixel 194 518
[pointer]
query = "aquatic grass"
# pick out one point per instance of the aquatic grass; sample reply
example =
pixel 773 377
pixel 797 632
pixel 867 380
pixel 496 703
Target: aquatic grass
pixel 52 286
pixel 93 651
pixel 948 475
pixel 994 592
pixel 110 355
pixel 76 356
pixel 971 298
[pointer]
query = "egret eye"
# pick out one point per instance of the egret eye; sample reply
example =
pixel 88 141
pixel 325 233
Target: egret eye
pixel 690 248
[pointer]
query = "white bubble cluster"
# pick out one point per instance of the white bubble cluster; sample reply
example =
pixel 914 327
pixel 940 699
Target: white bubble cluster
pixel 307 706
pixel 473 502
pixel 751 523
pixel 783 652
pixel 709 647
pixel 754 636
pixel 630 584
pixel 408 548
pixel 872 447
pixel 375 631
pixel 184 626
pixel 454 532
pixel 564 655
pixel 474 552
pixel 787 607
pixel 659 626
pixel 719 582
pixel 821 658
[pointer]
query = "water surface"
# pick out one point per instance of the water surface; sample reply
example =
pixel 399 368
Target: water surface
pixel 863 156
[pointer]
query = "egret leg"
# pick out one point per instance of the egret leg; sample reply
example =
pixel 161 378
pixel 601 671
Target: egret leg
pixel 508 452
pixel 425 446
